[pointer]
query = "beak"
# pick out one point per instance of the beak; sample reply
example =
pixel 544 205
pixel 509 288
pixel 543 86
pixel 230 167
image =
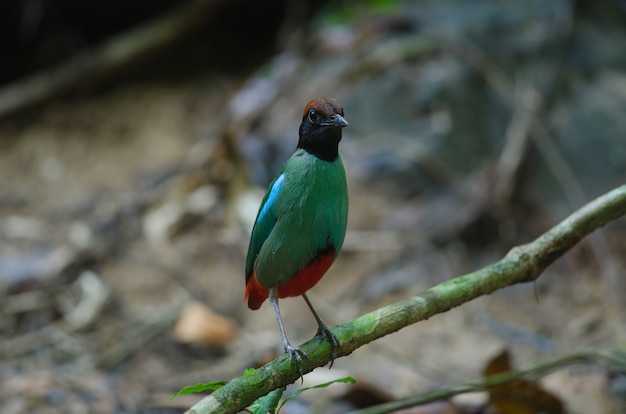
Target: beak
pixel 337 121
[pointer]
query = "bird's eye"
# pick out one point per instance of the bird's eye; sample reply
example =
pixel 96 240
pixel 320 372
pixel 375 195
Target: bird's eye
pixel 313 117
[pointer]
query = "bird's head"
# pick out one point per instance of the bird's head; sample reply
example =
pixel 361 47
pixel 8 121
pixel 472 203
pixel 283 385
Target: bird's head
pixel 320 130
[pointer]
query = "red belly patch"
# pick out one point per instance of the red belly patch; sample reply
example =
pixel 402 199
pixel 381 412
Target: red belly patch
pixel 302 281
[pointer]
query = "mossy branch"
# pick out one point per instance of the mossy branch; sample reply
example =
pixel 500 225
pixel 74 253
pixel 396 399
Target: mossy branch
pixel 522 264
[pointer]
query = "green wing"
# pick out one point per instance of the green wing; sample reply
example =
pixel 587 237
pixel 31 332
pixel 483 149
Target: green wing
pixel 265 221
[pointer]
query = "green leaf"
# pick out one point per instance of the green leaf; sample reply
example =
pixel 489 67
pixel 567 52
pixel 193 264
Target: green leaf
pixel 249 372
pixel 267 403
pixel 324 385
pixel 207 386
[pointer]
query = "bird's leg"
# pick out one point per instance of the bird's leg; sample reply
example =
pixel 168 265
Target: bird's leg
pixel 323 330
pixel 293 351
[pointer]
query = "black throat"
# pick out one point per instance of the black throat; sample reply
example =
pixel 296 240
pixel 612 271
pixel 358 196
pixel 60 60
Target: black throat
pixel 320 140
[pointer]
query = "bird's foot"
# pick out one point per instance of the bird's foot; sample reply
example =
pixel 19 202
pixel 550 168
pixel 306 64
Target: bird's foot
pixel 334 342
pixel 296 354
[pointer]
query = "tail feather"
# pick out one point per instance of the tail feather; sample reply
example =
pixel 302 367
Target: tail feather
pixel 255 293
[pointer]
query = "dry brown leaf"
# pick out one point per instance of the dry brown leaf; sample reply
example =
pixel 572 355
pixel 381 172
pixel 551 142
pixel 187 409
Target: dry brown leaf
pixel 200 325
pixel 518 396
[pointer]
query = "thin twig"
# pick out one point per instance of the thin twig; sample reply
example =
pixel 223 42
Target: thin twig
pixel 515 151
pixel 92 65
pixel 499 379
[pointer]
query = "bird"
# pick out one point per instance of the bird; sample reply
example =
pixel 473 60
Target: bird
pixel 301 223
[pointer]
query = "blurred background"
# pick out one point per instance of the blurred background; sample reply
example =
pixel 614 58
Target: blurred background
pixel 137 139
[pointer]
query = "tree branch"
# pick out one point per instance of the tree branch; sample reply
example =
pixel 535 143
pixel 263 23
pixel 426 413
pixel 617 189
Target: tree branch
pixel 522 264
pixel 96 63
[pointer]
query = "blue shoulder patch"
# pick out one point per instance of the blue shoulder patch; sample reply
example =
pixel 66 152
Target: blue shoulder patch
pixel 271 199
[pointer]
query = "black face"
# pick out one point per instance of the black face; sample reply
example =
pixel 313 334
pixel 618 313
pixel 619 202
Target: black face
pixel 320 130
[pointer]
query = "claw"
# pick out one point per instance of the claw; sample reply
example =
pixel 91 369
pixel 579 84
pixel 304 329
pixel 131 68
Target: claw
pixel 334 342
pixel 323 330
pixel 297 354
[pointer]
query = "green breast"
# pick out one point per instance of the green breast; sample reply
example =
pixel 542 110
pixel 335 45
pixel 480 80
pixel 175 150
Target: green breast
pixel 308 215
